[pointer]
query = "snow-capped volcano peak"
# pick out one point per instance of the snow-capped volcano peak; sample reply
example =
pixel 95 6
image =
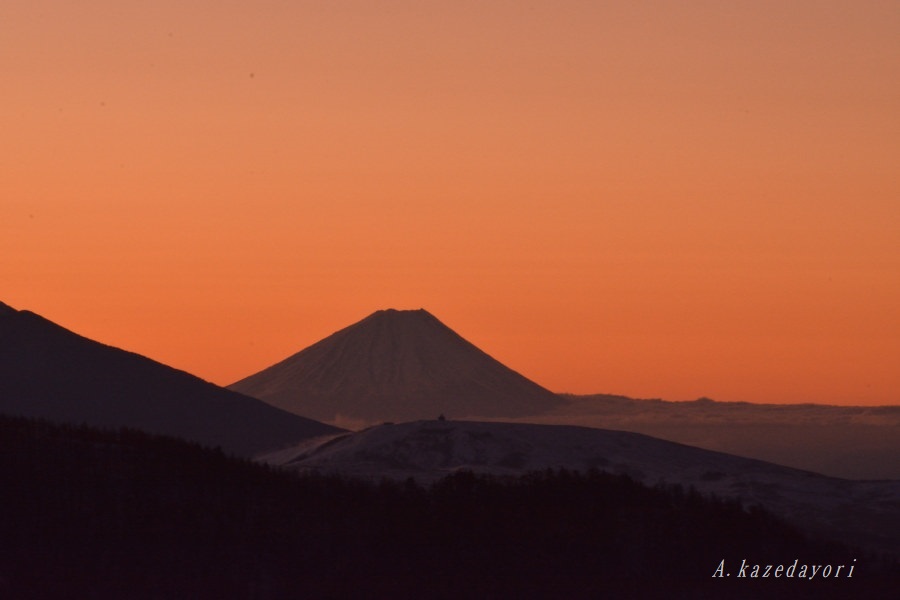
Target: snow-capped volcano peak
pixel 396 365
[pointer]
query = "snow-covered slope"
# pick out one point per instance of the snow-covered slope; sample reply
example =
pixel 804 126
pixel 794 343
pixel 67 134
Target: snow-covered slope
pixel 865 512
pixel 396 365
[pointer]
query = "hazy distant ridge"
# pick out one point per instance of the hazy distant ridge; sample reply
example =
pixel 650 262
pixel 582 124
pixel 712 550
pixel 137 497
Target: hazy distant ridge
pixel 856 442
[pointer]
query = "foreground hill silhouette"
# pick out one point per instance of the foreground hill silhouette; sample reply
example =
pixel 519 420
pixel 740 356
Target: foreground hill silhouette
pixel 396 365
pixel 866 513
pixel 99 514
pixel 50 372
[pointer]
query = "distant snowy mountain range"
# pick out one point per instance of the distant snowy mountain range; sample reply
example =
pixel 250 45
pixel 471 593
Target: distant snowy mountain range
pixel 404 365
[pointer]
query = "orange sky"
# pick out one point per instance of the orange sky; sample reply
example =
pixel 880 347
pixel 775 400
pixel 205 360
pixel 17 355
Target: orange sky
pixel 658 199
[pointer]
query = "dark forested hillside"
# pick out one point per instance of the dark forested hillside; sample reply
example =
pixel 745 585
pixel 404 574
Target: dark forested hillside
pixel 123 514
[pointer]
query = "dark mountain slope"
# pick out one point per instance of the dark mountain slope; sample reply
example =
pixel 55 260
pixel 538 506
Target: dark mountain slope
pixel 396 365
pixel 50 372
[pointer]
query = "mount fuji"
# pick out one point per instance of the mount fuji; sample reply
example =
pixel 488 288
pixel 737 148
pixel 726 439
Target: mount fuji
pixel 396 365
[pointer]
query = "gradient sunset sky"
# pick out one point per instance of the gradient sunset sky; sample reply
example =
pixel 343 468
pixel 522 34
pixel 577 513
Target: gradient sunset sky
pixel 658 199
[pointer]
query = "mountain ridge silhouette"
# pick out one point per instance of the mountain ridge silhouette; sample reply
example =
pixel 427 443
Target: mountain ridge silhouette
pixel 48 371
